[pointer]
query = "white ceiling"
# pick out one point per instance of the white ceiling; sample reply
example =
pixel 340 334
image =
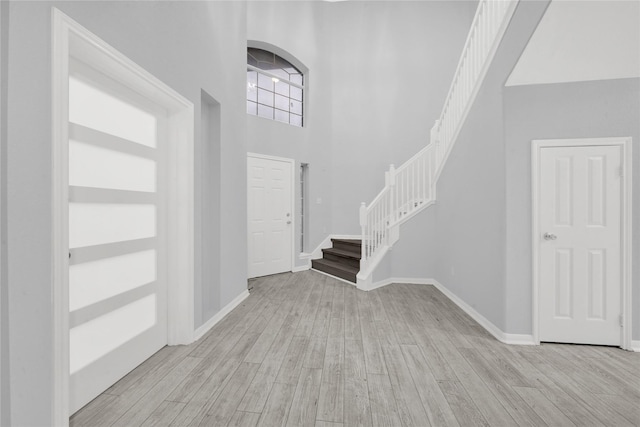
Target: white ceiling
pixel 582 40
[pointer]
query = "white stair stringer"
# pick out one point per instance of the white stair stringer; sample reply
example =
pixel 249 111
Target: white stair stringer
pixel 411 188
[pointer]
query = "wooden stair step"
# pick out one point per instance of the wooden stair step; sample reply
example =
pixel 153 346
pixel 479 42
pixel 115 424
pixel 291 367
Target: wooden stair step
pixel 343 253
pixel 343 257
pixel 351 245
pixel 335 269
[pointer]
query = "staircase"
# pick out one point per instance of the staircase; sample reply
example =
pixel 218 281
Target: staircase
pixel 341 260
pixel 411 188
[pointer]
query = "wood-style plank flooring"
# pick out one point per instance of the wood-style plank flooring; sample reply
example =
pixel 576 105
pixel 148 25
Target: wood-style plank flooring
pixel 307 350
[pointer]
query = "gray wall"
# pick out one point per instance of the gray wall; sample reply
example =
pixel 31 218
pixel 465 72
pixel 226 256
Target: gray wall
pixel 470 213
pixel 393 62
pixel 483 211
pixel 207 201
pixel 379 72
pixel 471 200
pixel 4 309
pixel 299 29
pixel 605 108
pixel 414 255
pixel 191 46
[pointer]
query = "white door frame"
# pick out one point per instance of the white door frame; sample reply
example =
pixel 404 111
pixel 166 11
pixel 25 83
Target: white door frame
pixel 70 39
pixel 293 197
pixel 625 221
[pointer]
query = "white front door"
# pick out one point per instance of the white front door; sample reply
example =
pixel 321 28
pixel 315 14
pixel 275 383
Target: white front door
pixel 580 245
pixel 270 215
pixel 117 238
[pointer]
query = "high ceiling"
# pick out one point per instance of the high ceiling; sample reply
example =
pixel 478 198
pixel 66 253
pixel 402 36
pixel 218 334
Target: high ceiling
pixel 580 41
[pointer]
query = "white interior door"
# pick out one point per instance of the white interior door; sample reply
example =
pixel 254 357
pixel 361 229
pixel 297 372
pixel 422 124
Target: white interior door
pixel 117 214
pixel 580 245
pixel 270 215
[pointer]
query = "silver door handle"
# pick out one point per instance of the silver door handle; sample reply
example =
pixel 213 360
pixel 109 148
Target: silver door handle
pixel 288 222
pixel 549 236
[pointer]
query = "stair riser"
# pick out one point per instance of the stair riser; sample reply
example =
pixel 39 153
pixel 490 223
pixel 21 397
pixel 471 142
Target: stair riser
pixel 355 249
pixel 334 272
pixel 342 260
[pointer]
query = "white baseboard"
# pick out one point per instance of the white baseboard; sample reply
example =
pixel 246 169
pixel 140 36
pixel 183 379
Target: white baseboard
pixel 335 277
pixel 317 252
pixel 199 333
pixel 635 346
pixel 519 339
pixel 306 258
pixel 391 280
pixel 301 268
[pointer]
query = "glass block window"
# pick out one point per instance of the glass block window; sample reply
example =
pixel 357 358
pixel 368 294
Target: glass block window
pixel 275 87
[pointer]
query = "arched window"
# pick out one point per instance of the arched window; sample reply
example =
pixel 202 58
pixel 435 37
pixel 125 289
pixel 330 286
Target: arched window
pixel 274 87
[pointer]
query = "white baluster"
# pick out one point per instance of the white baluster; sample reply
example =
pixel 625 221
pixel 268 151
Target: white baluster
pixel 392 189
pixel 434 137
pixel 414 184
pixel 423 177
pixel 363 225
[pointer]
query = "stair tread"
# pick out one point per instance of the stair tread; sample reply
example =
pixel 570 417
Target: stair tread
pixel 348 241
pixel 336 265
pixel 343 253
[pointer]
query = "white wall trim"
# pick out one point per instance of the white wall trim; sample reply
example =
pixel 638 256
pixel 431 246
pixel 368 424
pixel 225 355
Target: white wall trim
pixel 626 225
pixel 365 275
pixel 305 257
pixel 70 39
pixel 206 327
pixel 391 280
pixel 519 339
pixel 292 209
pixel 340 279
pixel 516 339
pixel 635 346
pixel 324 244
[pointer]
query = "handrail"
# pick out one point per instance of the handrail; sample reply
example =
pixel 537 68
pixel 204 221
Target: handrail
pixel 489 24
pixel 412 187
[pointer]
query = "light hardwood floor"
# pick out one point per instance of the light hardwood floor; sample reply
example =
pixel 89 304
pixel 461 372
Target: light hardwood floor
pixel 307 350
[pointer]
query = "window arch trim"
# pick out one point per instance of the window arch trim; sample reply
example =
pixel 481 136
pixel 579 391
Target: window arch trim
pixel 280 52
pixel 275 102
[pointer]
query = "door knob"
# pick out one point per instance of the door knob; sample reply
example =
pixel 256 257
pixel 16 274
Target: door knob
pixel 549 236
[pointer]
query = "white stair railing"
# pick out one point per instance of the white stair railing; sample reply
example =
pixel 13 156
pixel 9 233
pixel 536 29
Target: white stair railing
pixel 489 24
pixel 407 190
pixel 412 187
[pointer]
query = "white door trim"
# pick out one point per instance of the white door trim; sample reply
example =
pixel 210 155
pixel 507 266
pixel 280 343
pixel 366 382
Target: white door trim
pixel 625 230
pixel 293 195
pixel 70 39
